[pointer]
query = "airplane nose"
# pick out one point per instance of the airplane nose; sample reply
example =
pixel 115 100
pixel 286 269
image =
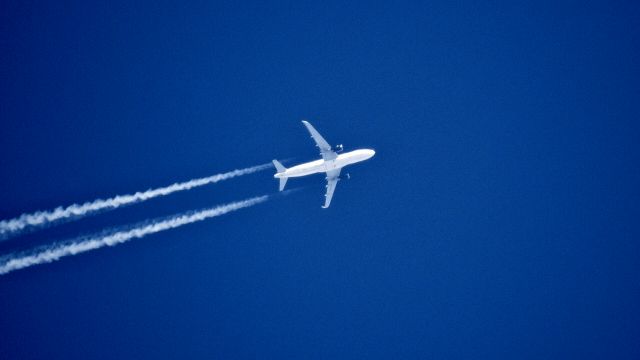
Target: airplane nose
pixel 372 152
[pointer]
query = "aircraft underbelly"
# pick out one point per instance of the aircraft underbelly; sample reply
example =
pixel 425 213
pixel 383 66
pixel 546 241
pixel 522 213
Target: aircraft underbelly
pixel 306 169
pixel 321 166
pixel 333 159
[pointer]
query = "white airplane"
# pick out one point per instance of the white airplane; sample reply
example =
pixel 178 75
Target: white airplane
pixel 331 163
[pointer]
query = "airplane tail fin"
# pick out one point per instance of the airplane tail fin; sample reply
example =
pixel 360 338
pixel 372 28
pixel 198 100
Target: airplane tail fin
pixel 281 169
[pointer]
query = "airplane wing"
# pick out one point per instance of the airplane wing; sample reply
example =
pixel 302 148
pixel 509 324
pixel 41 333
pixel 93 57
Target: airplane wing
pixel 325 149
pixel 333 177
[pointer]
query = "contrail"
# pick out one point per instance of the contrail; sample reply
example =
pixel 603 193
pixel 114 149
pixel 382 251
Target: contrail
pixel 55 252
pixel 15 226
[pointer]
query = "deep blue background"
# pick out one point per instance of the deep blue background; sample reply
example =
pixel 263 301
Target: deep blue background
pixel 499 218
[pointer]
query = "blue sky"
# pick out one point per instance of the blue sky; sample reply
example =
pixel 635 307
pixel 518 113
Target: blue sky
pixel 498 219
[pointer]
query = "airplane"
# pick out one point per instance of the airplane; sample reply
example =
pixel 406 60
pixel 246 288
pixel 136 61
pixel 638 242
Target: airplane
pixel 331 163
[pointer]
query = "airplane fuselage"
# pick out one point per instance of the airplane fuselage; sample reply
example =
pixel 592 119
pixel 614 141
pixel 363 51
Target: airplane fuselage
pixel 331 164
pixel 323 166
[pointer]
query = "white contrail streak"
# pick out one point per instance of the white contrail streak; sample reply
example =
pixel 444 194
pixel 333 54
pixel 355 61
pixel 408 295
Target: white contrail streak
pixel 55 252
pixel 15 226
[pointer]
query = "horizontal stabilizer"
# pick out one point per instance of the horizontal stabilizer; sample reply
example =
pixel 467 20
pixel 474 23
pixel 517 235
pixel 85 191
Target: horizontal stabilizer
pixel 279 167
pixel 283 182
